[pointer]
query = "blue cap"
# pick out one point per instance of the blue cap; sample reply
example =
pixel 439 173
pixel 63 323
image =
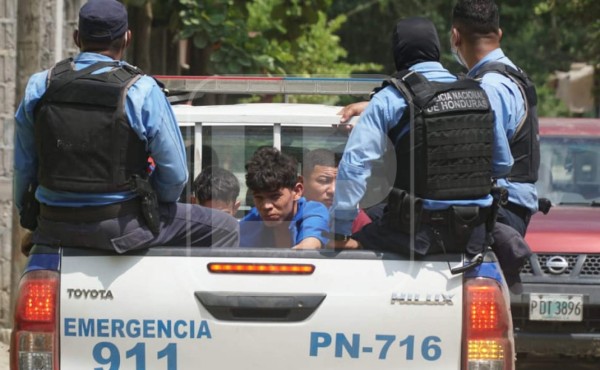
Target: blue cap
pixel 102 20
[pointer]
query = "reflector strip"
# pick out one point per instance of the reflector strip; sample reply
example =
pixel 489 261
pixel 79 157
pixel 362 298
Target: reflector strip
pixel 261 268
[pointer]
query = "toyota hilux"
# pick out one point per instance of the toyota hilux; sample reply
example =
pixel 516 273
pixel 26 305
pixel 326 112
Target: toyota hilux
pixel 266 308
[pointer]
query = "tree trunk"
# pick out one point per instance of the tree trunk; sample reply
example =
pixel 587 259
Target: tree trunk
pixel 142 32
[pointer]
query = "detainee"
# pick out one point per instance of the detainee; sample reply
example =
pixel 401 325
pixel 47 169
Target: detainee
pixel 217 188
pixel 281 217
pixel 319 170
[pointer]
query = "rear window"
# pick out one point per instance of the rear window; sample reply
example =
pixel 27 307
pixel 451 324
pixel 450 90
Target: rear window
pixel 231 146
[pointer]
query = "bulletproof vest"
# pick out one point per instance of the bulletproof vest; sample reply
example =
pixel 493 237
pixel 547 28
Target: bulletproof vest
pixel 452 133
pixel 83 138
pixel 525 143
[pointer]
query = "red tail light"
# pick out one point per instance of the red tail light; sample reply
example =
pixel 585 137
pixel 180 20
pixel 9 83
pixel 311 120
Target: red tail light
pixel 487 326
pixel 261 268
pixel 34 342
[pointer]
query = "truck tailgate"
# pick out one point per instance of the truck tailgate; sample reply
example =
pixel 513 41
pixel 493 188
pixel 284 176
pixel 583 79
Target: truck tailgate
pixel 355 310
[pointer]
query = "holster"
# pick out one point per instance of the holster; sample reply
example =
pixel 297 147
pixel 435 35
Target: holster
pixel 149 202
pixel 28 217
pixel 463 219
pixel 399 215
pixel 500 197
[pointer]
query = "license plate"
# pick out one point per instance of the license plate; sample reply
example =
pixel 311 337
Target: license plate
pixel 556 307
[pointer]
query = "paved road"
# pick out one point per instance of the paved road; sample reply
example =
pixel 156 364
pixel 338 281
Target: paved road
pixel 556 364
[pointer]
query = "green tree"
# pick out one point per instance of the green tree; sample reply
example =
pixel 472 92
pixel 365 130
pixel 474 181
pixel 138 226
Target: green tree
pixel 543 36
pixel 540 36
pixel 264 36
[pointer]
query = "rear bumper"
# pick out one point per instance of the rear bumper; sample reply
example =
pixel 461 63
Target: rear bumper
pixel 557 337
pixel 553 344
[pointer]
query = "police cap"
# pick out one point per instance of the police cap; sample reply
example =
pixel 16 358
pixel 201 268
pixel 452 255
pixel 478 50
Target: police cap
pixel 102 20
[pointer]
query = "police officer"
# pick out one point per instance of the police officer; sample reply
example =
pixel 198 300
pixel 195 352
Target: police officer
pixel 443 198
pixel 475 41
pixel 84 133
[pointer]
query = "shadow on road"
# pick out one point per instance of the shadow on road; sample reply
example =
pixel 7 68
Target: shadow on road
pixel 556 363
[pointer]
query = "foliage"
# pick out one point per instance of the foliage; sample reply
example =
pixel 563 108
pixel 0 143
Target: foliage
pixel 541 36
pixel 341 37
pixel 548 104
pixel 213 25
pixel 265 36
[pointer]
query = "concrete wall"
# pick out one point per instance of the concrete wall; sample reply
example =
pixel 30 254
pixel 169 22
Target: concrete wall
pixel 8 53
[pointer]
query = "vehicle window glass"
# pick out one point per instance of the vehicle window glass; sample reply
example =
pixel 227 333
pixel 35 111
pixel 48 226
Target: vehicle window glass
pixel 230 147
pixel 297 141
pixel 187 133
pixel 569 170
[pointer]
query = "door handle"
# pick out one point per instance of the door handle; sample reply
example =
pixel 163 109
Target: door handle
pixel 278 307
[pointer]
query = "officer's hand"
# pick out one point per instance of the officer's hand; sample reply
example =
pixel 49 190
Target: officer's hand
pixel 26 243
pixel 351 110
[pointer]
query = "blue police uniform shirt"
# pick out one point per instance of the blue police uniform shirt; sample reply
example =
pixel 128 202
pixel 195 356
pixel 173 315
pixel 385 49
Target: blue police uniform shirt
pixel 368 141
pixel 150 116
pixel 509 106
pixel 311 220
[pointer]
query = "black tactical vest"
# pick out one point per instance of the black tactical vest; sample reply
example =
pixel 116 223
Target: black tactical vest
pixel 525 143
pixel 83 138
pixel 453 135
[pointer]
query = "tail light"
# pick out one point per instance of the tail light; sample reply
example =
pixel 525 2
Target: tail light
pixel 261 268
pixel 488 342
pixel 34 342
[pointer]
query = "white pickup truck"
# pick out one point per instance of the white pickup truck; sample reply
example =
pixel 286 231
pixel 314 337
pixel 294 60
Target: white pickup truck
pixel 193 308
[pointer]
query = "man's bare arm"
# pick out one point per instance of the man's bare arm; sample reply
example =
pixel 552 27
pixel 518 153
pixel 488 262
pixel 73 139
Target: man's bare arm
pixel 309 243
pixel 344 244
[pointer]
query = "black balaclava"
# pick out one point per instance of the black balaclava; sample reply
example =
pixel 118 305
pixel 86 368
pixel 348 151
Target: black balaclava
pixel 415 40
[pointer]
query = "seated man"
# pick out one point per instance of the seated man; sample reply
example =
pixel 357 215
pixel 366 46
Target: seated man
pixel 281 217
pixel 319 171
pixel 217 188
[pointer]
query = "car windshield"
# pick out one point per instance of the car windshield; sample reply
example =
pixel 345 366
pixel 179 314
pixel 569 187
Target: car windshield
pixel 569 170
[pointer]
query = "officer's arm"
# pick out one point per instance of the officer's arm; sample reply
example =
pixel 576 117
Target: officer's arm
pixel 367 142
pixel 157 122
pixel 25 157
pixel 502 159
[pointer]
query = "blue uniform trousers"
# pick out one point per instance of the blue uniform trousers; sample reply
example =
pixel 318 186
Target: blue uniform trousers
pixel 181 224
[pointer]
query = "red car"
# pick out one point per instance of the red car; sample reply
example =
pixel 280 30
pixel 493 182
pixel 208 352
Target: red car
pixel 558 309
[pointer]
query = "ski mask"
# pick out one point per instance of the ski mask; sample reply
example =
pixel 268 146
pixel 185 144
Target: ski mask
pixel 415 40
